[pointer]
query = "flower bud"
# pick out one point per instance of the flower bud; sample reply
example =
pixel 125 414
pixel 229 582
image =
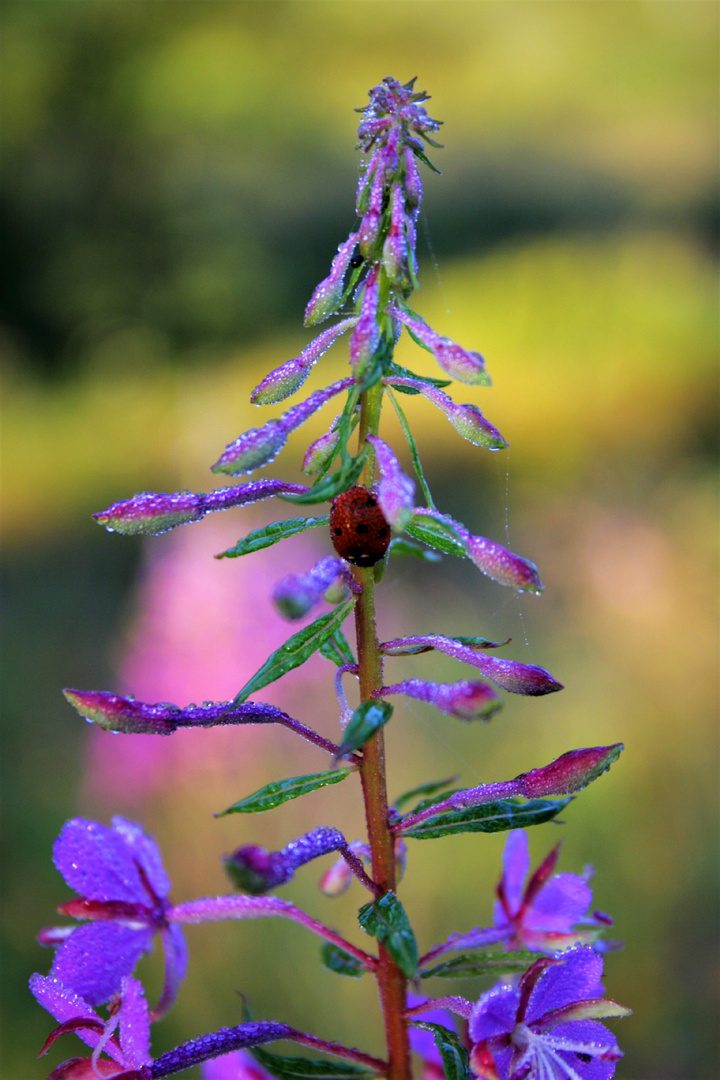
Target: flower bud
pixel 329 292
pixel 395 490
pixel 365 340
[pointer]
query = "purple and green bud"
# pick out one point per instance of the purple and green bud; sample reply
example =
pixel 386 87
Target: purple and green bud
pixel 328 293
pixel 321 452
pixel 510 675
pixel 290 376
pixel 395 490
pixel 467 700
pixel 370 225
pixel 124 714
pixel 395 253
pixel 260 446
pixel 296 594
pixel 366 335
pixel 491 558
pixel 152 513
pixel 467 419
pixel 461 364
pixel 413 183
pixel 256 870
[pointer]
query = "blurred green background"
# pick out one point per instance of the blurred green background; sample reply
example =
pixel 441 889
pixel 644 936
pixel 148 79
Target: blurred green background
pixel 176 177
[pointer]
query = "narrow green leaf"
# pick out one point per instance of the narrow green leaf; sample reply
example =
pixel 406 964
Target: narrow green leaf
pixel 385 919
pixel 282 791
pixel 413 453
pixel 394 370
pixel 334 484
pixel 488 818
pixel 297 1068
pixel 455 1057
pixel 342 963
pixel 368 718
pixel 295 651
pixel 481 962
pixel 400 546
pixel 424 789
pixel 426 161
pixel 272 534
pixel 435 535
pixel 337 648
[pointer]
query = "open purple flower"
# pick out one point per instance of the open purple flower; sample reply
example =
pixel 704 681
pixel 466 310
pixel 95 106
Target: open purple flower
pixel 537 914
pixel 123 889
pixel 546 1026
pixel 124 1037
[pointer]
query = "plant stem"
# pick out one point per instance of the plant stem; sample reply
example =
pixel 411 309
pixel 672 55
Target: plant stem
pixel 392 984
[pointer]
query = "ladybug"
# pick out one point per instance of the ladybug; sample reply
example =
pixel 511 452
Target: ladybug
pixel 358 529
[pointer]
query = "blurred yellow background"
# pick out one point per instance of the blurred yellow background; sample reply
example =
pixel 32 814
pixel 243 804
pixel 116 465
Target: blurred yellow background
pixel 176 178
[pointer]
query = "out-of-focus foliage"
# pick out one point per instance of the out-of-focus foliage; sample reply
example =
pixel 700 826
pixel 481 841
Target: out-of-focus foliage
pixel 176 178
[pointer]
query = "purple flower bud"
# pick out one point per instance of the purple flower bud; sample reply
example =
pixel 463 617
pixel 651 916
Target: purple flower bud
pixel 366 336
pixel 329 292
pixel 569 773
pixel 321 452
pixel 260 445
pixel 151 513
pixel 256 871
pixel 413 183
pixel 336 880
pixel 491 558
pixel 395 256
pixel 461 364
pixel 395 490
pixel 370 224
pixel 123 714
pixel 467 419
pixel 295 594
pixel 395 111
pixel 290 376
pixel 466 700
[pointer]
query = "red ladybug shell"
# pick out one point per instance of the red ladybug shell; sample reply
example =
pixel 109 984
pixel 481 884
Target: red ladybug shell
pixel 358 528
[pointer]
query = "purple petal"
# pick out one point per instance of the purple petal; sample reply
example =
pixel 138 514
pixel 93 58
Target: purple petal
pixel 146 852
pixel 97 955
pixel 239 1065
pixel 260 446
pixel 466 700
pixel 64 1004
pixel 134 1025
pixel 559 905
pixel 575 978
pixel 98 863
pixel 176 963
pixel 115 713
pixel 589 1038
pixel 467 419
pixel 395 490
pixel 472 939
pixel 296 594
pixel 494 1013
pixel 516 864
pixel 366 335
pixel 328 293
pixel 152 513
pixel 290 376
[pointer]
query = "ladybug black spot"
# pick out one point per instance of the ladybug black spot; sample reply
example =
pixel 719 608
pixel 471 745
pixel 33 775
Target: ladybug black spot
pixel 358 528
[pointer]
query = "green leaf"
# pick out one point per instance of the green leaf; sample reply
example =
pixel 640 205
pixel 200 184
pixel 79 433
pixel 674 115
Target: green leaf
pixel 368 718
pixel 295 651
pixel 395 371
pixel 337 649
pixel 297 1068
pixel 455 1058
pixel 489 817
pixel 400 546
pixel 426 161
pixel 424 789
pixel 481 962
pixel 282 791
pixel 334 484
pixel 342 963
pixel 431 532
pixel 385 919
pixel 471 642
pixel 272 534
pixel 413 454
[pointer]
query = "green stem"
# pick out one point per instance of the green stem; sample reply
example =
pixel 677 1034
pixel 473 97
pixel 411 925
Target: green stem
pixel 392 984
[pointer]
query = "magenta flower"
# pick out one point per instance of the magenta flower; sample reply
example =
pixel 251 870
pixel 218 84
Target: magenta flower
pixel 260 446
pixel 151 513
pixel 239 1065
pixel 124 1037
pixel 123 889
pixel 466 700
pixel 546 1027
pixel 537 915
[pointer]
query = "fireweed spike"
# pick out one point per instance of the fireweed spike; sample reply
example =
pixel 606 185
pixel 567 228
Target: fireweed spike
pixel 543 1023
